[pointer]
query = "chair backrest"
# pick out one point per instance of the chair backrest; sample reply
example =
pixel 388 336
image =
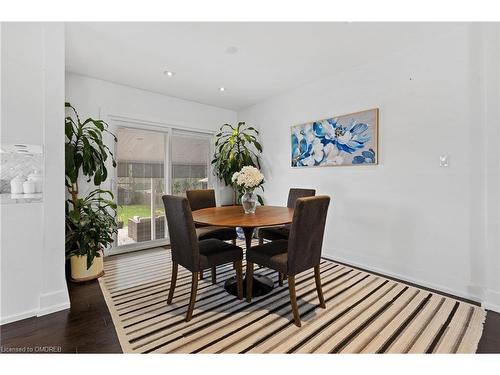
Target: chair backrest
pixel 306 233
pixel 199 199
pixel 183 240
pixel 296 193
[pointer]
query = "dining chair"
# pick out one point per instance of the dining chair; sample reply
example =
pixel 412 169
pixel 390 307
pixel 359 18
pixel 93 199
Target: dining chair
pixel 281 232
pixel 205 198
pixel 301 252
pixel 193 254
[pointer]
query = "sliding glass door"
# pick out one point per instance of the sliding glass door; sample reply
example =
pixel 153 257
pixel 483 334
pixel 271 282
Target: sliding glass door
pixel 151 163
pixel 141 158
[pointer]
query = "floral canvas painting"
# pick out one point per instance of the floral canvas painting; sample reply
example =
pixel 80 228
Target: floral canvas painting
pixel 343 140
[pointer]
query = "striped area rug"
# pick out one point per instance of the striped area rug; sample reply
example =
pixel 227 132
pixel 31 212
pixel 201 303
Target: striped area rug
pixel 365 313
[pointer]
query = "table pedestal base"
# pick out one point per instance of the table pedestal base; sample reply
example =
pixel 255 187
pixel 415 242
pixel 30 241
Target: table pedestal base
pixel 261 286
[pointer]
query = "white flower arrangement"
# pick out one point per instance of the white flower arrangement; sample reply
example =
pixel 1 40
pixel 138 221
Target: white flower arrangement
pixel 248 178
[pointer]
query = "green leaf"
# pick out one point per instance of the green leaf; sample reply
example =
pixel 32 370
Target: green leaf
pixel 68 130
pixel 90 259
pixel 74 215
pixel 257 146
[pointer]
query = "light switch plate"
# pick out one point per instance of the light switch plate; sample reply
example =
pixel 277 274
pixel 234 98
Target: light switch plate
pixel 443 161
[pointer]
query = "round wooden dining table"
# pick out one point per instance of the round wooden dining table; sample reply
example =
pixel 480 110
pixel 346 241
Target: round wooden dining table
pixel 235 216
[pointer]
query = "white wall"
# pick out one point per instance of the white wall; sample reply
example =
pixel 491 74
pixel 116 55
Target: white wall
pixel 406 217
pixel 491 79
pixel 22 83
pixel 54 295
pixel 93 97
pixel 32 235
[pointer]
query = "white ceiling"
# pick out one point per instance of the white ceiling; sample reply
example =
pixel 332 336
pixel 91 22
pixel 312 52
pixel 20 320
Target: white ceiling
pixel 271 57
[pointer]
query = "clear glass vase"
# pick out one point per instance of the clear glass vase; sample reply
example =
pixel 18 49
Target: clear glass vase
pixel 249 202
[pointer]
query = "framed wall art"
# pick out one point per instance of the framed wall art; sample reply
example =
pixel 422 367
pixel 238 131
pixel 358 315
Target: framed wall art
pixel 350 139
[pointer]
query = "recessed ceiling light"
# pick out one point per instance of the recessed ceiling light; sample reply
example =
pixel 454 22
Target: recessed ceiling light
pixel 169 73
pixel 221 89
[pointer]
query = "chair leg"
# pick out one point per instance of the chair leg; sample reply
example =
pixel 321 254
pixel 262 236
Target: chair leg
pixel 261 241
pixel 249 276
pixel 192 299
pixel 280 279
pixel 239 278
pixel 201 275
pixel 317 278
pixel 214 275
pixel 293 300
pixel 173 281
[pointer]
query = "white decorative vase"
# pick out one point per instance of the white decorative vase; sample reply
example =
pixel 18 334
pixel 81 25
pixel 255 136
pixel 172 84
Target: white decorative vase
pixel 37 178
pixel 249 202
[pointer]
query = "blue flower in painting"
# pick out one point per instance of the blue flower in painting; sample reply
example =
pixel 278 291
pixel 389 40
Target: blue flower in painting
pixel 366 157
pixel 301 151
pixel 347 139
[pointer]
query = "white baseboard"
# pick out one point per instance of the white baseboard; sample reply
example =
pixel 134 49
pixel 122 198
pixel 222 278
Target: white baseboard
pixel 53 302
pixel 18 316
pixel 48 303
pixel 492 300
pixel 33 313
pixel 406 278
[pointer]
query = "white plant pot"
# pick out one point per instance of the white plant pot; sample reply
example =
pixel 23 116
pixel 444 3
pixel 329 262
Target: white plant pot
pixel 79 271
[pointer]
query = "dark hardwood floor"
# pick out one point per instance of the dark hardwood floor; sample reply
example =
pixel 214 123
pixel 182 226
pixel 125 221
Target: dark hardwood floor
pixel 490 340
pixel 87 328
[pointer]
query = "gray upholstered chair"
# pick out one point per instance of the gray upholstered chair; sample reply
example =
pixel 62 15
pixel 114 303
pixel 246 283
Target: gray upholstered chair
pixel 301 252
pixel 205 198
pixel 195 255
pixel 281 232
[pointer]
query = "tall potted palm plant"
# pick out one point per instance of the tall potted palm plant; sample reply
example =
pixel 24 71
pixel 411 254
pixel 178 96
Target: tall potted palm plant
pixel 90 220
pixel 236 147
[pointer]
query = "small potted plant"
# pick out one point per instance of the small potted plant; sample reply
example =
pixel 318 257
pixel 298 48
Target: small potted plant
pixel 90 221
pixel 247 180
pixel 90 227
